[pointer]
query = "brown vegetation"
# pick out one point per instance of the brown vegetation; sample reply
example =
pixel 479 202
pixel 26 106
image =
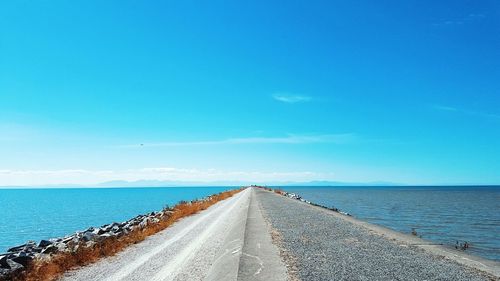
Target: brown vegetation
pixel 279 191
pixel 54 266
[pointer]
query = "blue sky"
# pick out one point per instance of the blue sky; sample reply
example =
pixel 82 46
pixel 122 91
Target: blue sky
pixel 261 91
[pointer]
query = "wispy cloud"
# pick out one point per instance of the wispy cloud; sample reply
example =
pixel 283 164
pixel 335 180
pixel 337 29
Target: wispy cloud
pixel 291 98
pixel 467 112
pixel 470 18
pixel 290 139
pixel 93 177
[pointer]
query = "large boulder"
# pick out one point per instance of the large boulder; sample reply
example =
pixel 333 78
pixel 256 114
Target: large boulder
pixel 23 258
pixel 3 261
pixel 44 243
pixel 89 236
pixel 23 247
pixel 14 266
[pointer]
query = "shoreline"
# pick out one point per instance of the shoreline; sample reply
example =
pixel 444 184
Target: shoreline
pixel 472 261
pixel 50 258
pixel 222 235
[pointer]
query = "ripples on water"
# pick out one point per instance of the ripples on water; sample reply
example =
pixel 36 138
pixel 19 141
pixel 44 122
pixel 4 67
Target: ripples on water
pixel 34 214
pixel 441 214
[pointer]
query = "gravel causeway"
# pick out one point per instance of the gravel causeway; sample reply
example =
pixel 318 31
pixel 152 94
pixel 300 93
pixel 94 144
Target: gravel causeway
pixel 327 247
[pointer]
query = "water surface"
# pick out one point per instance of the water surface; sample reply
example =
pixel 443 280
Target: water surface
pixel 441 214
pixel 34 214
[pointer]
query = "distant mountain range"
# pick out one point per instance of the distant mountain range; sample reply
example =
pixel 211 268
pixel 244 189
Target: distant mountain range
pixel 157 183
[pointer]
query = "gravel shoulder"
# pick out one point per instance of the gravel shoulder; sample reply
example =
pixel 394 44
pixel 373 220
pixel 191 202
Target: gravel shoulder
pixel 260 260
pixel 324 245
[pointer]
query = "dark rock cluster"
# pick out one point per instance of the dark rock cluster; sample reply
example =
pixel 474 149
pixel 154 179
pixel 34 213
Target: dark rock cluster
pixel 18 258
pixel 298 197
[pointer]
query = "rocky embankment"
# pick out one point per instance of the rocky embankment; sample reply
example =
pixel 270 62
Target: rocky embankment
pixel 50 258
pixel 20 257
pixel 299 198
pixel 318 244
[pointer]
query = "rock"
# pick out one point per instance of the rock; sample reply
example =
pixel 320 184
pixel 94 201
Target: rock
pixel 51 249
pixel 89 236
pixel 75 240
pixel 105 236
pixel 67 239
pixel 14 266
pixel 98 231
pixel 30 244
pixel 61 247
pixel 4 274
pixel 144 223
pixel 36 250
pixel 44 243
pixel 3 261
pixel 29 247
pixel 23 258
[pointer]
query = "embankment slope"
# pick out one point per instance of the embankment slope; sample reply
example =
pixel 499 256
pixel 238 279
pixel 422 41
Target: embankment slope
pixel 210 245
pixel 325 245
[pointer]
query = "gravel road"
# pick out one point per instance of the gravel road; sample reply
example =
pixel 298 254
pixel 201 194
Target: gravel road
pixel 323 246
pixel 228 241
pixel 184 251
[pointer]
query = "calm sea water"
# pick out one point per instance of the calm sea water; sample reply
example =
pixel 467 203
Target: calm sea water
pixel 34 214
pixel 440 214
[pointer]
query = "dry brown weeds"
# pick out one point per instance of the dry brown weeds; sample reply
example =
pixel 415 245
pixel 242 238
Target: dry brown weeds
pixel 53 267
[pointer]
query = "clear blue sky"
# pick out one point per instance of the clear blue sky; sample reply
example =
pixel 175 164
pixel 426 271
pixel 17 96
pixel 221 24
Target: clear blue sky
pixel 399 91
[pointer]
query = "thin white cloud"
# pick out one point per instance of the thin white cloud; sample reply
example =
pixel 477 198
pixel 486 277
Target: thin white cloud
pixel 93 177
pixel 290 139
pixel 470 18
pixel 291 98
pixel 467 112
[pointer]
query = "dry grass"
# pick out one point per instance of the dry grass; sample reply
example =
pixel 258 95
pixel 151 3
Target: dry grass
pixel 53 267
pixel 279 191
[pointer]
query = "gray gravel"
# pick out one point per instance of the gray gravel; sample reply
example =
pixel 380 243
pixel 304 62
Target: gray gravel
pixel 327 247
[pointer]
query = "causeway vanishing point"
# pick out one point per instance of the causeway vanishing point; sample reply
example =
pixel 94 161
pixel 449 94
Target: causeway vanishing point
pixel 258 234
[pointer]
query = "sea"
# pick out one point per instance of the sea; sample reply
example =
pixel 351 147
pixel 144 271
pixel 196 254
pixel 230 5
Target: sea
pixel 440 214
pixel 35 214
